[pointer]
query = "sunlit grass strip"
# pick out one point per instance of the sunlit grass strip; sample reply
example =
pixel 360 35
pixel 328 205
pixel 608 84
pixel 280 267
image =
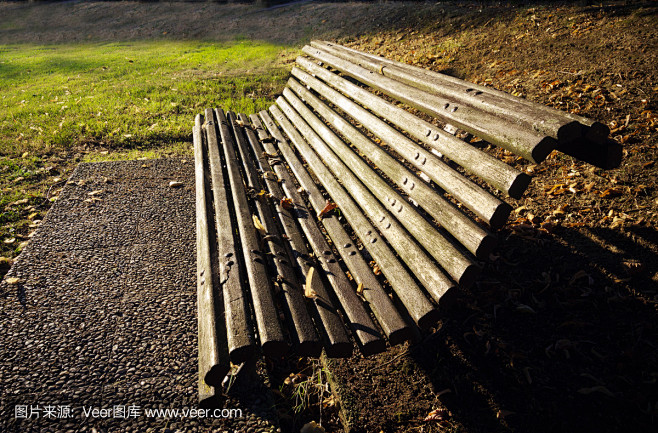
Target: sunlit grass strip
pixel 135 94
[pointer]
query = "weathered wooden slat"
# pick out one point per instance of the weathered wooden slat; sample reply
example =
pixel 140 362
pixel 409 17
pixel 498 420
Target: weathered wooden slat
pixel 558 127
pixel 452 260
pixel 419 262
pixel 524 142
pixel 492 210
pixel 477 240
pixel 393 325
pixel 412 297
pixel 493 171
pixel 214 361
pixel 337 344
pixel 271 337
pixel 547 119
pixel 301 325
pixel 366 333
pixel 240 340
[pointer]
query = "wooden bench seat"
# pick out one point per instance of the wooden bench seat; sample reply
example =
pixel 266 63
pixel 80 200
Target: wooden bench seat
pixel 340 216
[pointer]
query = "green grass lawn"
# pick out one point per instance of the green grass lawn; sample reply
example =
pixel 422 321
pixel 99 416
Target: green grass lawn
pixel 127 95
pixel 60 104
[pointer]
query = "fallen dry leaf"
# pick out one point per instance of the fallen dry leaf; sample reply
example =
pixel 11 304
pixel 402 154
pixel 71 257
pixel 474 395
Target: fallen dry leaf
pixel 548 226
pixel 633 267
pixel 259 226
pixel 268 238
pixel 437 415
pixel 308 287
pixel 329 401
pixel 328 207
pixel 175 184
pixel 312 427
pixel 445 391
pixel 287 203
pixel 501 414
pixel 557 189
pixel 19 202
pixel 617 222
pixel 12 280
pixel 359 289
pixel 577 276
pixel 611 192
pixel 270 175
pixel 522 308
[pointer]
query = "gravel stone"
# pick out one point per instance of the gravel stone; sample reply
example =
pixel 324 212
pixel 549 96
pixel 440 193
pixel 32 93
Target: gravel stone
pixel 104 314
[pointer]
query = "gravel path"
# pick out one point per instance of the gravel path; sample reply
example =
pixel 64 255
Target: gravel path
pixel 103 315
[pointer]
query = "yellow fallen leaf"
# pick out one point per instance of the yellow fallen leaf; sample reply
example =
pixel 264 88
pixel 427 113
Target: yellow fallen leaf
pixel 359 289
pixel 557 189
pixel 329 401
pixel 19 202
pixel 633 266
pixel 259 226
pixel 308 287
pixel 611 192
pixel 503 413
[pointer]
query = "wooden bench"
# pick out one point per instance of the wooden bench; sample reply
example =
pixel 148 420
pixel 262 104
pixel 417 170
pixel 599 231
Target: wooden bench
pixel 415 206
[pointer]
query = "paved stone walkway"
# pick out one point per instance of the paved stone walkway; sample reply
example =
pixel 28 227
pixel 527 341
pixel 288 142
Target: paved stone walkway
pixel 104 313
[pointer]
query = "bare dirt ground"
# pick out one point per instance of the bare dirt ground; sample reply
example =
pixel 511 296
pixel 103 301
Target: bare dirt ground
pixel 560 332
